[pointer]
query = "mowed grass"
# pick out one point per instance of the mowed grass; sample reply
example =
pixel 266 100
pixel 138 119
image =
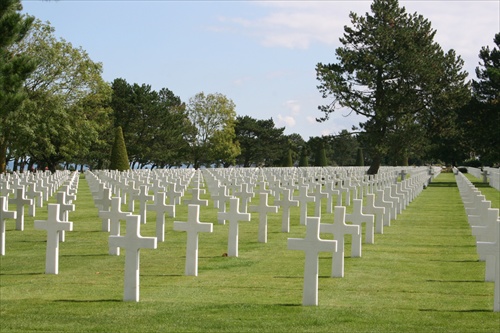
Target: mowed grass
pixel 421 275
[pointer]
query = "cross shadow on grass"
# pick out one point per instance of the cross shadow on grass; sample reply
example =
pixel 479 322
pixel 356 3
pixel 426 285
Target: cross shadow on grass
pixel 30 273
pixel 457 311
pixel 456 281
pixel 87 300
pixel 442 184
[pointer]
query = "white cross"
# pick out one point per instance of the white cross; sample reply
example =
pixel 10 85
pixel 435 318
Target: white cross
pixel 173 195
pixel 193 226
pixel 195 197
pixel 339 229
pixel 36 196
pixel 143 197
pixel 245 195
pixel 304 198
pixel 132 242
pixel 4 214
pixel 103 203
pixel 20 201
pixel 286 203
pixel 64 209
pixel 220 200
pixel 263 208
pixel 485 232
pixel 161 208
pixel 493 248
pixel 54 226
pixel 318 195
pixel 312 244
pixel 234 217
pixel 379 201
pixel 114 215
pixel 358 218
pixel 378 212
pixel 331 191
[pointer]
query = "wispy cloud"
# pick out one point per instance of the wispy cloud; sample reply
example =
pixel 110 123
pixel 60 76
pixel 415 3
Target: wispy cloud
pixel 287 121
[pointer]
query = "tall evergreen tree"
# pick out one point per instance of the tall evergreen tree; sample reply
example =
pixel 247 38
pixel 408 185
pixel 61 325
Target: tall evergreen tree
pixel 14 69
pixel 390 70
pixel 119 157
pixel 360 160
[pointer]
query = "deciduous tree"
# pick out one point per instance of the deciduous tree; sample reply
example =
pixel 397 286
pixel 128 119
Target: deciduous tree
pixel 15 67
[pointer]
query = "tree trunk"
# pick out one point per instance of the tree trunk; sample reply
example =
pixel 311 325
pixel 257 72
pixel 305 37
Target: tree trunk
pixel 374 166
pixel 3 156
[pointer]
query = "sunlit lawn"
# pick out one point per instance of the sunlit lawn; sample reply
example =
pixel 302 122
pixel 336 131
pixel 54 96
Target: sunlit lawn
pixel 421 275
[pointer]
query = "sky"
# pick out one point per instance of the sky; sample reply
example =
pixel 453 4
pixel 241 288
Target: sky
pixel 260 54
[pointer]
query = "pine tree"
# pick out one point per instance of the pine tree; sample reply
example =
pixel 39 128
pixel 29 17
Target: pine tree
pixel 360 160
pixel 119 156
pixel 288 159
pixel 320 158
pixel 304 161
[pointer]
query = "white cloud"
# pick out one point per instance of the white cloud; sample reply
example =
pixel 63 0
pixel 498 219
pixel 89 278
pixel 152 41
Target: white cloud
pixel 293 106
pixel 287 121
pixel 465 26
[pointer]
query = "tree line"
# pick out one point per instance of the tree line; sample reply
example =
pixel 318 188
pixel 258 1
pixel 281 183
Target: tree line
pixel 56 110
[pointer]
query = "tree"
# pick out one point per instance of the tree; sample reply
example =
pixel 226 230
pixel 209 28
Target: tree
pixel 14 69
pixel 481 118
pixel 213 140
pixel 344 147
pixel 391 71
pixel 154 123
pixel 67 101
pixel 119 158
pixel 260 141
pixel 360 160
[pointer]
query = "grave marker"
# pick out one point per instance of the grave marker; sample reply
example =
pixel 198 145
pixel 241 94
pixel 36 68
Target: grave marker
pixel 161 208
pixel 234 216
pixel 20 201
pixel 286 203
pixel 493 248
pixel 114 215
pixel 312 244
pixel 339 229
pixel 4 214
pixel 263 208
pixel 132 242
pixel 54 226
pixel 193 226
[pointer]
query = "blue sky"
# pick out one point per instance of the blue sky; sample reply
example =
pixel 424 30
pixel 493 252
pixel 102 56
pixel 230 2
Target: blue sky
pixel 260 54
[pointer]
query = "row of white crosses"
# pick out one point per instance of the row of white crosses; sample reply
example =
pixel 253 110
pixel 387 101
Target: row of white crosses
pixel 24 185
pixel 485 225
pixel 223 189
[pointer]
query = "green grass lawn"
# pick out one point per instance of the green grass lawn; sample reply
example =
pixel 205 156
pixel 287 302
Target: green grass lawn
pixel 421 275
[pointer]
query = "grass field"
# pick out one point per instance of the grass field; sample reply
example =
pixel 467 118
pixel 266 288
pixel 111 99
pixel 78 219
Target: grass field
pixel 421 275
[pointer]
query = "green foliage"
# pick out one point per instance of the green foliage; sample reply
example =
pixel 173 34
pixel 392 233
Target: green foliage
pixel 360 160
pixel 288 160
pixel 15 67
pixel 154 124
pixel 67 101
pixel 214 139
pixel 304 157
pixel 344 146
pixel 119 157
pixel 390 70
pixel 260 141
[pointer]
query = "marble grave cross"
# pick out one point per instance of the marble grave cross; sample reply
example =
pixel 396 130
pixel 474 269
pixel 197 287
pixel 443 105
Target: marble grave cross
pixel 193 226
pixel 132 242
pixel 234 216
pixel 312 244
pixel 4 214
pixel 54 226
